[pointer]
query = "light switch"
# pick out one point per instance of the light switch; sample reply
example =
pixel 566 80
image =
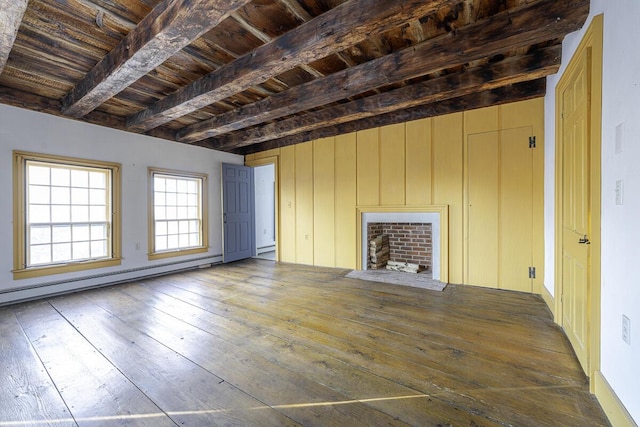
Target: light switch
pixel 620 138
pixel 619 191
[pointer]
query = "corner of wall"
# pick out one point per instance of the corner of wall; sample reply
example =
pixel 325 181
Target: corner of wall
pixel 549 300
pixel 611 404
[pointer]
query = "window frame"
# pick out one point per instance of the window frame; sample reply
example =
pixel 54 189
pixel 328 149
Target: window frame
pixel 20 222
pixel 204 214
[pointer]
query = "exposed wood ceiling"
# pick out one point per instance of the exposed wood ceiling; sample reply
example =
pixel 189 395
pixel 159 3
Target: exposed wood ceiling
pixel 249 75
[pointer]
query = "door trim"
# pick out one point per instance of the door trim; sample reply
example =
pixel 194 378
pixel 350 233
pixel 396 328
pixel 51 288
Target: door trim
pixel 591 45
pixel 274 161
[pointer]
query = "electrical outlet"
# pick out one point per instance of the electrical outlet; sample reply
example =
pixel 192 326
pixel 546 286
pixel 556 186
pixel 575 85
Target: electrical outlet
pixel 620 138
pixel 626 329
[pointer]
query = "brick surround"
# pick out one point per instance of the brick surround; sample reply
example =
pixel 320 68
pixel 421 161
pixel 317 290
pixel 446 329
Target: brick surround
pixel 408 241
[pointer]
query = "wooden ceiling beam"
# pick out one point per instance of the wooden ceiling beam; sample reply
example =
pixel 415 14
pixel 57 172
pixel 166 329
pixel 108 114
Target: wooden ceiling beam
pixel 533 23
pixel 511 70
pixel 506 94
pixel 11 13
pixel 168 28
pixel 343 26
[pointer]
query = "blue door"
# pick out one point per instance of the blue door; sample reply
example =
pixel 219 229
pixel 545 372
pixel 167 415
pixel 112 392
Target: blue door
pixel 238 212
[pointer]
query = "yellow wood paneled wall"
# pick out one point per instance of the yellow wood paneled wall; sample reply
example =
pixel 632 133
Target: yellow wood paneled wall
pixel 421 162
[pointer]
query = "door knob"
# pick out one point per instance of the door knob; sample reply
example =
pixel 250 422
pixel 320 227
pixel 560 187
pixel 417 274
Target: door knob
pixel 584 240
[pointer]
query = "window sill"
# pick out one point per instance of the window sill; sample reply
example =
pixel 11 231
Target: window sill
pixel 175 253
pixel 28 273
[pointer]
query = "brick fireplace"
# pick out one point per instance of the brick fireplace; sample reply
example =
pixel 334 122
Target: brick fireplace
pixel 415 219
pixel 408 241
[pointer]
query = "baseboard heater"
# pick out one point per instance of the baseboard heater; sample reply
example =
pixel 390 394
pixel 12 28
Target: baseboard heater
pixel 196 263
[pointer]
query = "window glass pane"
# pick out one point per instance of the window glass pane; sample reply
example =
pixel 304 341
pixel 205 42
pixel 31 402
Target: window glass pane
pixel 39 213
pixel 160 213
pixel 192 187
pixel 38 175
pixel 181 186
pixel 60 195
pixel 159 184
pixel 182 212
pixel 80 233
pixel 182 199
pixel 184 240
pixel 172 212
pixel 61 234
pixel 161 243
pixel 171 199
pixel 161 228
pixel 99 249
pixel 39 194
pixel 194 226
pixel 40 254
pixel 159 199
pixel 192 200
pixel 60 177
pixel 40 234
pixel 194 239
pixel 61 252
pixel 97 197
pixel 98 232
pixel 60 213
pixel 172 227
pixel 97 214
pixel 79 178
pixel 192 213
pixel 183 227
pixel 98 179
pixel 81 250
pixel 80 196
pixel 80 213
pixel 171 185
pixel 172 242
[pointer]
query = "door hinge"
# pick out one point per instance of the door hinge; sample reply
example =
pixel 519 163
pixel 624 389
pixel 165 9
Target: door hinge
pixel 532 272
pixel 532 142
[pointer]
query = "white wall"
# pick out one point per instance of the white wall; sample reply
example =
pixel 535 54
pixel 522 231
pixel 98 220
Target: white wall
pixel 265 205
pixel 30 131
pixel 620 363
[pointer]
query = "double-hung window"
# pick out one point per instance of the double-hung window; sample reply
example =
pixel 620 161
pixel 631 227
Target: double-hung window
pixel 178 208
pixel 65 214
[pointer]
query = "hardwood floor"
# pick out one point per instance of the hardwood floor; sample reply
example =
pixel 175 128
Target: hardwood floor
pixel 259 343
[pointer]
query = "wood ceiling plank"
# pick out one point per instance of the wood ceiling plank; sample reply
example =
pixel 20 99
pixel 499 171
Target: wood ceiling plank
pixel 484 77
pixel 502 95
pixel 11 13
pixel 170 26
pixel 531 24
pixel 343 26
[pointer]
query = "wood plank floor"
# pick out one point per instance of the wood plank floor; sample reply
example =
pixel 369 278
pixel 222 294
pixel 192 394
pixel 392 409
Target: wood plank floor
pixel 260 343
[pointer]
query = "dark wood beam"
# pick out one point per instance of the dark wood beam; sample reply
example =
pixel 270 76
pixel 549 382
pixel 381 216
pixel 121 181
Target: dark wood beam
pixel 342 26
pixel 11 13
pixel 530 24
pixel 511 70
pixel 30 101
pixel 502 95
pixel 170 26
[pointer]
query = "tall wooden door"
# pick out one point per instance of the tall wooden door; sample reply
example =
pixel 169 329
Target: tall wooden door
pixel 500 209
pixel 238 212
pixel 575 210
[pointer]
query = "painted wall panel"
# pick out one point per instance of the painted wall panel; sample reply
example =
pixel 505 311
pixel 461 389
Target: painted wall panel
pixel 323 202
pixel 418 162
pixel 392 165
pixel 368 167
pixel 287 183
pixel 447 183
pixel 304 202
pixel 345 201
